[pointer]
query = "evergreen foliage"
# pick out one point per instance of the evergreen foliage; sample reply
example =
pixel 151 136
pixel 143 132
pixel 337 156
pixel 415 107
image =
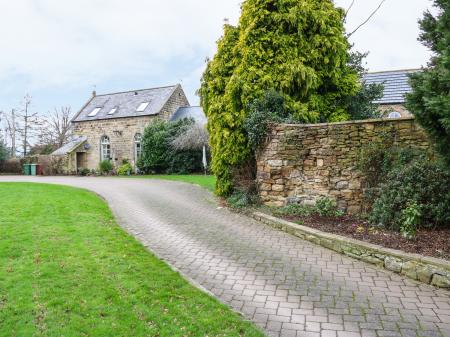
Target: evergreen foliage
pixel 271 108
pixel 295 47
pixel 158 154
pixel 3 151
pixel 360 106
pixel 430 101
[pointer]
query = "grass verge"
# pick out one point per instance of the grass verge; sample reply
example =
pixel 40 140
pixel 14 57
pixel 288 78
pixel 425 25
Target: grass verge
pixel 208 181
pixel 67 269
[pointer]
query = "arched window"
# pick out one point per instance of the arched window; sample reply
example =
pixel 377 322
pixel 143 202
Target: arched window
pixel 137 146
pixel 105 148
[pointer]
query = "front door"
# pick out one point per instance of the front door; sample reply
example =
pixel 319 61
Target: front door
pixel 81 160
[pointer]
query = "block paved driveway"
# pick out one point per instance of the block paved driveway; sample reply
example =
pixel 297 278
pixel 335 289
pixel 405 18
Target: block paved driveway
pixel 287 286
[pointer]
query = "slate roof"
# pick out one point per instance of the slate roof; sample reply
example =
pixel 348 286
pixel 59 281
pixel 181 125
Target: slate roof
pixel 126 104
pixel 194 112
pixel 396 85
pixel 71 145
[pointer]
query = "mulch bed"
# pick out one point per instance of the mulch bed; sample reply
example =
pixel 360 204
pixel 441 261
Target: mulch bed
pixel 435 243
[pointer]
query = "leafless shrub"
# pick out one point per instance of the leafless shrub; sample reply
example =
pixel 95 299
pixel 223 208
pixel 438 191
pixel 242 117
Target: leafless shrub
pixel 194 138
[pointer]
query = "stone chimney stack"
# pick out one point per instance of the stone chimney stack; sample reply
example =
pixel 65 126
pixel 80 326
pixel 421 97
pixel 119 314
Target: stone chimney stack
pixel 94 93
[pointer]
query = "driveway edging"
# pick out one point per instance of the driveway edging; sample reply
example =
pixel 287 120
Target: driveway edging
pixel 424 269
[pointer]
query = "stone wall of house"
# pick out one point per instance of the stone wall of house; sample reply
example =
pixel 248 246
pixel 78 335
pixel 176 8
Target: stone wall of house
pixel 177 100
pixel 386 109
pixel 304 162
pixel 121 132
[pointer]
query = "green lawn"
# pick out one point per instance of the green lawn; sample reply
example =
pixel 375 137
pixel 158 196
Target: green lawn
pixel 67 269
pixel 208 182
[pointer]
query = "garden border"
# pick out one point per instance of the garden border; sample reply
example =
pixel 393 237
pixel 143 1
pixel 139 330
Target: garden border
pixel 424 269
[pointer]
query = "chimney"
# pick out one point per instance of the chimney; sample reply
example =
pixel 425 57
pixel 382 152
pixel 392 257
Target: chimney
pixel 94 93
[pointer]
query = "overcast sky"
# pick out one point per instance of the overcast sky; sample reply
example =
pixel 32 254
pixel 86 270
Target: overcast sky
pixel 58 51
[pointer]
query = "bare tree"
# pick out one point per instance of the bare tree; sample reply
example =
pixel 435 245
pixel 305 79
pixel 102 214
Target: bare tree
pixel 372 14
pixel 194 138
pixel 29 124
pixel 11 127
pixel 56 127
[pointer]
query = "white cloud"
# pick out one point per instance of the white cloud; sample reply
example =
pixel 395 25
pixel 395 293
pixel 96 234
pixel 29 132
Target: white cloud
pixel 54 48
pixel 391 35
pixel 56 42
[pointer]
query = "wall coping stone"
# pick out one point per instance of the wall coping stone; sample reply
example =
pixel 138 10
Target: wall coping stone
pixel 437 271
pixel 365 121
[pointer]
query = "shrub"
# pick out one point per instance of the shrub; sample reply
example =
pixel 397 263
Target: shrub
pixel 271 108
pixel 429 100
pixel 125 170
pixel 84 172
pixel 377 159
pixel 158 154
pixel 326 207
pixel 422 182
pixel 294 210
pixel 410 220
pixel 106 166
pixel 239 200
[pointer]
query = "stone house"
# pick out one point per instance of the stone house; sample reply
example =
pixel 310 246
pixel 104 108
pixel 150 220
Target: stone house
pixel 396 86
pixel 110 126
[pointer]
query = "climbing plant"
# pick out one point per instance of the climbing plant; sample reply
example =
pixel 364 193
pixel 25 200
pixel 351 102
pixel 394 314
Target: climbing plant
pixel 295 47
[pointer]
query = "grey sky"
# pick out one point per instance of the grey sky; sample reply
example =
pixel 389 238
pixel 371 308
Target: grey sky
pixel 58 50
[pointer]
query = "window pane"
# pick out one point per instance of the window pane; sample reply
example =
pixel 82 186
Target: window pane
pixel 142 107
pixel 94 112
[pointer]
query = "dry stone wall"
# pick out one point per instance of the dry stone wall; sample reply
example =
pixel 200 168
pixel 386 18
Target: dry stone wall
pixel 304 162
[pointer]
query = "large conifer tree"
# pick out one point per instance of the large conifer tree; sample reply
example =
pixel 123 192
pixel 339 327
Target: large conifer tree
pixel 430 99
pixel 296 47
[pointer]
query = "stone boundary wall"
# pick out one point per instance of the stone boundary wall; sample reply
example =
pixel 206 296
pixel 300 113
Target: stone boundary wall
pixel 428 270
pixel 304 162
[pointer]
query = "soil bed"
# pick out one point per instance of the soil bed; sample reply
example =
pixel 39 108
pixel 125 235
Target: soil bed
pixel 435 243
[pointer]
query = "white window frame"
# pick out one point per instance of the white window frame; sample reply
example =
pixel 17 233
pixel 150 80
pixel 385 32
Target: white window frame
pixel 143 106
pixel 94 112
pixel 105 148
pixel 112 111
pixel 137 146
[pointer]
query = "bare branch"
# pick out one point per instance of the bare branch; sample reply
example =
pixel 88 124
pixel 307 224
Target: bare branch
pixel 368 19
pixel 194 138
pixel 348 10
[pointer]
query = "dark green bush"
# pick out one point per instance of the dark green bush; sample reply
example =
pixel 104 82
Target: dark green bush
pixel 271 108
pixel 158 154
pixel 240 199
pixel 422 182
pixel 84 172
pixel 106 166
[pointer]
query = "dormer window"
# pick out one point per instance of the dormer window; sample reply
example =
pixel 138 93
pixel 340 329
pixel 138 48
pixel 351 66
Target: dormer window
pixel 142 107
pixel 113 111
pixel 94 112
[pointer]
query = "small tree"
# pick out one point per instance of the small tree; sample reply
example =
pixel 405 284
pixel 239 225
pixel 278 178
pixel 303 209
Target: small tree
pixel 298 48
pixel 158 154
pixel 3 151
pixel 360 106
pixel 430 101
pixel 56 128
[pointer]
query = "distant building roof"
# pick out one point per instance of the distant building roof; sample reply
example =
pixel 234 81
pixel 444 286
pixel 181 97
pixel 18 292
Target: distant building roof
pixel 194 112
pixel 133 103
pixel 71 145
pixel 396 85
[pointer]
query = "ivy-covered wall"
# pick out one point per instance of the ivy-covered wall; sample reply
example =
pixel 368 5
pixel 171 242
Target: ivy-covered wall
pixel 304 162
